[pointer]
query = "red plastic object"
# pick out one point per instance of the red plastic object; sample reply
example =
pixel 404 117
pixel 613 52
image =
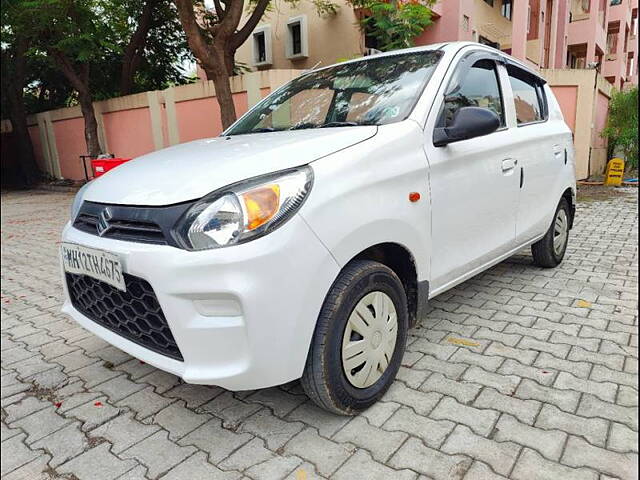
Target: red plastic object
pixel 100 166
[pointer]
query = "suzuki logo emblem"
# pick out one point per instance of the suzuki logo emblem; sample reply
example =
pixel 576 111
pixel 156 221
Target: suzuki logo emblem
pixel 103 221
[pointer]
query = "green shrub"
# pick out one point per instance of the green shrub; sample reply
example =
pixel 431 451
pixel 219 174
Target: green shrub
pixel 622 126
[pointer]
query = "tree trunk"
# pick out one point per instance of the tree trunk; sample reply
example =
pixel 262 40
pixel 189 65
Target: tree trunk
pixel 90 124
pixel 216 56
pixel 79 80
pixel 133 52
pixel 220 79
pixel 18 114
pixel 230 62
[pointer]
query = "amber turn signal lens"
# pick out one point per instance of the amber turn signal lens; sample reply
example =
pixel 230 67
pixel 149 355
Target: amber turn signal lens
pixel 261 205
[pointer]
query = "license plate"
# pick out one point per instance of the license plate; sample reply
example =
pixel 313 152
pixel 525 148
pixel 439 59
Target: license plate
pixel 98 264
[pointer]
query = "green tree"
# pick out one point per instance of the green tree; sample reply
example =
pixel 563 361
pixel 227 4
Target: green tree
pixel 393 23
pixel 73 37
pixel 150 48
pixel 622 125
pixel 46 87
pixel 214 35
pixel 15 46
pixel 84 50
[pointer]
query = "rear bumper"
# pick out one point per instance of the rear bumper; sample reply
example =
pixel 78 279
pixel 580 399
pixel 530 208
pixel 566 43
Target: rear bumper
pixel 241 316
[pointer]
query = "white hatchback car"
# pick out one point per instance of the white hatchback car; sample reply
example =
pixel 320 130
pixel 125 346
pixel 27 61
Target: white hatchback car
pixel 307 239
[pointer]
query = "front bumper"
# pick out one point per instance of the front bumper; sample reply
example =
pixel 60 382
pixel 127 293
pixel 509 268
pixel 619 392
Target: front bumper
pixel 242 316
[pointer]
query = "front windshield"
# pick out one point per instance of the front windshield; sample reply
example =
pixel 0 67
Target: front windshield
pixel 375 91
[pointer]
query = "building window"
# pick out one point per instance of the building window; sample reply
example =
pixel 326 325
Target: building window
pixel 465 23
pixel 579 10
pixel 616 2
pixel 262 46
pixel 297 43
pixel 296 38
pixel 506 8
pixel 579 62
pixel 489 2
pixel 612 37
pixel 577 58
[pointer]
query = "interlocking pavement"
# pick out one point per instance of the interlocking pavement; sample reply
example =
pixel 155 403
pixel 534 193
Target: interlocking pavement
pixel 519 373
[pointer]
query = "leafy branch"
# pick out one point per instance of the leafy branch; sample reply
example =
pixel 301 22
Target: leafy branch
pixel 394 23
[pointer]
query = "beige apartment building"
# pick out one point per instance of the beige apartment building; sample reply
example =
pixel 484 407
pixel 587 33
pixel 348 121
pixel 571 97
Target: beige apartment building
pixel 298 38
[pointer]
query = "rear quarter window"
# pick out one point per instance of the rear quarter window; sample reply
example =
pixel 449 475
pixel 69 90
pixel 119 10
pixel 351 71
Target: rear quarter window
pixel 529 97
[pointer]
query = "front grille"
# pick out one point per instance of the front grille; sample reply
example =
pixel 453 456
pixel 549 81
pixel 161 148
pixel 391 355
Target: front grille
pixel 132 230
pixel 135 314
pixel 130 223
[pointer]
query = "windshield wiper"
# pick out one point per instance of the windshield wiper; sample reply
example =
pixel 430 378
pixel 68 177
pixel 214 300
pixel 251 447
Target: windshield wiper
pixel 307 126
pixel 340 124
pixel 304 126
pixel 265 130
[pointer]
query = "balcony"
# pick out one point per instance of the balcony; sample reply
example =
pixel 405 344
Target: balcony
pixel 620 13
pixel 615 66
pixel 587 32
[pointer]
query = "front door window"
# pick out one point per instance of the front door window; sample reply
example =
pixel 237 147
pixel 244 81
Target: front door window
pixel 479 88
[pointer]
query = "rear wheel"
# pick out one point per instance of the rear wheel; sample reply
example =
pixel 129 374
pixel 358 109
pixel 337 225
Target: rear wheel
pixel 359 339
pixel 549 251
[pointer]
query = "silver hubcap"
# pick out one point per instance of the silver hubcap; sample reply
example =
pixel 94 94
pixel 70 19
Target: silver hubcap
pixel 369 339
pixel 560 232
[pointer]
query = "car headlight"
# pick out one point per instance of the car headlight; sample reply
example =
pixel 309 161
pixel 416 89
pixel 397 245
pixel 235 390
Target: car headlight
pixel 244 211
pixel 77 202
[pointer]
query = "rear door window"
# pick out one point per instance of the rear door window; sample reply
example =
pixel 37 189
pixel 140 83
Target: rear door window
pixel 528 95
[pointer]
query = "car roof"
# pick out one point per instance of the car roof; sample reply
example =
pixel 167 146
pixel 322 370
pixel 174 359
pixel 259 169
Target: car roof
pixel 445 46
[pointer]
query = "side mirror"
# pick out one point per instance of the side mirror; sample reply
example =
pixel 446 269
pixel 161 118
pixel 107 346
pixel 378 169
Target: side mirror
pixel 469 122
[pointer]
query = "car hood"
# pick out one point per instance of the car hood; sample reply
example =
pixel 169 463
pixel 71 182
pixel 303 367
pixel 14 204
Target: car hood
pixel 191 170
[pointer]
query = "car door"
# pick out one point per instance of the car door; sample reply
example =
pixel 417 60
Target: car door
pixel 474 183
pixel 540 145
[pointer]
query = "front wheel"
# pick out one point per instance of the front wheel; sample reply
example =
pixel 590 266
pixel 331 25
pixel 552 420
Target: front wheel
pixel 549 251
pixel 359 340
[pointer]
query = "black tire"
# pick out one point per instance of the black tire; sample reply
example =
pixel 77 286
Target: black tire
pixel 324 379
pixel 543 251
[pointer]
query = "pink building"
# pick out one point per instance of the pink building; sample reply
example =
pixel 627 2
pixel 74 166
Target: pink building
pixel 620 62
pixel 605 33
pixel 548 34
pixel 532 30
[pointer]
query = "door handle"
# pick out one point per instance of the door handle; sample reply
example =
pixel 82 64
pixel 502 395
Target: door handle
pixel 508 164
pixel 558 151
